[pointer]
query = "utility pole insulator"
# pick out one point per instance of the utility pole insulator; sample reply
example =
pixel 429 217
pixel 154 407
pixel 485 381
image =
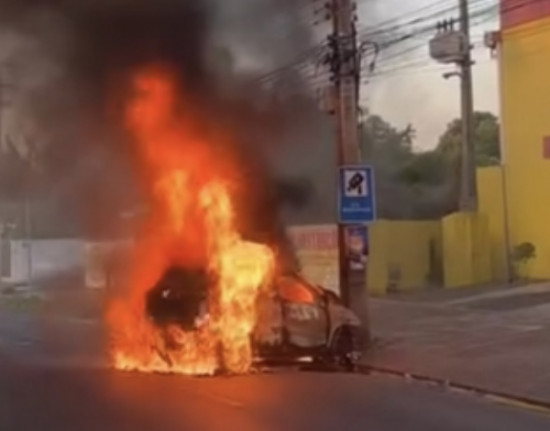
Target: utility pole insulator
pixel 322 13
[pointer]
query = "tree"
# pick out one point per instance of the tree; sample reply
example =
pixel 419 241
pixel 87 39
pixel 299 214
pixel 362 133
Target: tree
pixel 409 185
pixel 486 139
pixel 380 139
pixel 425 168
pixel 416 185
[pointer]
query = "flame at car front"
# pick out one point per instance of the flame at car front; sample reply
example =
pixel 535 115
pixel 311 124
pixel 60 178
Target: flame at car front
pixel 192 224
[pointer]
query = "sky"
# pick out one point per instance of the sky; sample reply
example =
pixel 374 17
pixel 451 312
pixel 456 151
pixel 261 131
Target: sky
pixel 408 86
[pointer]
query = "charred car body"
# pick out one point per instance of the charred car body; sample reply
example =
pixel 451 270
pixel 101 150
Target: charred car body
pixel 296 319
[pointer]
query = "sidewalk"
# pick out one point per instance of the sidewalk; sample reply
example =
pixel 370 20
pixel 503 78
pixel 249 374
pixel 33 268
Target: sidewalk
pixel 494 339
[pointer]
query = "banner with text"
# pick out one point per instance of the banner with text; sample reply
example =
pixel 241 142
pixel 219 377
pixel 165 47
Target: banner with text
pixel 317 250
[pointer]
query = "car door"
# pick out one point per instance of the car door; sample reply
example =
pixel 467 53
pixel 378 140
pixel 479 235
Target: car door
pixel 305 313
pixel 269 326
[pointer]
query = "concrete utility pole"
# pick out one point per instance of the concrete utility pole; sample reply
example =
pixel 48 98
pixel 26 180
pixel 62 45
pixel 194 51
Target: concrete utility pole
pixel 2 256
pixel 3 237
pixel 453 47
pixel 468 189
pixel 5 86
pixel 28 220
pixel 345 67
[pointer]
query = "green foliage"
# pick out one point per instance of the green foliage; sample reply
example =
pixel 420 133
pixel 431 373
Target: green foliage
pixel 410 185
pixel 424 168
pixel 380 138
pixel 523 252
pixel 422 184
pixel 486 139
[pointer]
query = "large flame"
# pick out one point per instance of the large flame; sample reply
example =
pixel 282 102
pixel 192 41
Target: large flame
pixel 192 223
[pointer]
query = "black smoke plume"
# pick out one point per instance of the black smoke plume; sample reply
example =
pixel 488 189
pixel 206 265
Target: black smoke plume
pixel 92 45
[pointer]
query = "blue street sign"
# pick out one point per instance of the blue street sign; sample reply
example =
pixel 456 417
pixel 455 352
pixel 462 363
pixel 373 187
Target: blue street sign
pixel 357 199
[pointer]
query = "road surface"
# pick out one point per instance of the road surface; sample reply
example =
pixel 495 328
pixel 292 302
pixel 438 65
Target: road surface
pixel 58 384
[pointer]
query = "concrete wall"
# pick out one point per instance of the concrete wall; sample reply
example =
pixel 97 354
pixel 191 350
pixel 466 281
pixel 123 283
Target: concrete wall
pixel 466 250
pixel 105 263
pixel 404 255
pixel 525 68
pixel 48 258
pixel 492 207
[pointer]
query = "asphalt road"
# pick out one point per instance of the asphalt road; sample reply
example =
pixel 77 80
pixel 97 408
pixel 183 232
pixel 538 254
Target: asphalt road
pixel 41 390
pixel 57 399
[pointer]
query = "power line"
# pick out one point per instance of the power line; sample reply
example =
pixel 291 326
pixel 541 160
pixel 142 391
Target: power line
pixel 483 15
pixel 391 21
pixel 422 44
pixel 301 59
pixel 428 28
pixel 410 66
pixel 367 32
pixel 484 9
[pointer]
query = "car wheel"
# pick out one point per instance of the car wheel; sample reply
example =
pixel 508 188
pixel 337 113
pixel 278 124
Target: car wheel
pixel 342 351
pixel 347 364
pixel 322 362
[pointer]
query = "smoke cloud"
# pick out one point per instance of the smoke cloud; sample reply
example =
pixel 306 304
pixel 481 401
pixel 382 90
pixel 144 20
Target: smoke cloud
pixel 74 56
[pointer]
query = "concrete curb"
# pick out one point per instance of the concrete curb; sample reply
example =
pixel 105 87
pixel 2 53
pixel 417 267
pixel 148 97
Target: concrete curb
pixel 518 401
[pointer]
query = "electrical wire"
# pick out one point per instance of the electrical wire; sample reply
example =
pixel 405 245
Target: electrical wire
pixel 408 66
pixel 431 18
pixel 398 55
pixel 302 60
pixel 483 11
pixel 391 21
pixel 484 15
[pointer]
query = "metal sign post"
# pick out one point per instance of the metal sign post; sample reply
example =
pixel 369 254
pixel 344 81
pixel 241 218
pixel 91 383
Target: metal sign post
pixel 356 208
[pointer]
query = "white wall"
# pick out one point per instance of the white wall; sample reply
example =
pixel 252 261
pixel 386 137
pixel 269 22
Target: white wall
pixel 316 247
pixel 48 258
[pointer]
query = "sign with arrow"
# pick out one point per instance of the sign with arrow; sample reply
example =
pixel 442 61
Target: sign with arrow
pixel 357 200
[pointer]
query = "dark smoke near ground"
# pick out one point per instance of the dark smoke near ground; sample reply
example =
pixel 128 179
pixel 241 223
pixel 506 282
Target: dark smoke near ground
pixel 86 48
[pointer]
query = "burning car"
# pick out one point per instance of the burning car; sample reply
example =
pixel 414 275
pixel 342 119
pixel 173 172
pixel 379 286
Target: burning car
pixel 205 292
pixel 296 319
pixel 301 319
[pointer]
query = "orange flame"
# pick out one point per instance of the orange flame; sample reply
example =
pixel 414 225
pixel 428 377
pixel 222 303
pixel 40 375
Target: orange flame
pixel 192 222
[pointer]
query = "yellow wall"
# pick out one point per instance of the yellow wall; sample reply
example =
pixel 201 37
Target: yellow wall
pixel 491 205
pixel 525 63
pixel 404 255
pixel 466 250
